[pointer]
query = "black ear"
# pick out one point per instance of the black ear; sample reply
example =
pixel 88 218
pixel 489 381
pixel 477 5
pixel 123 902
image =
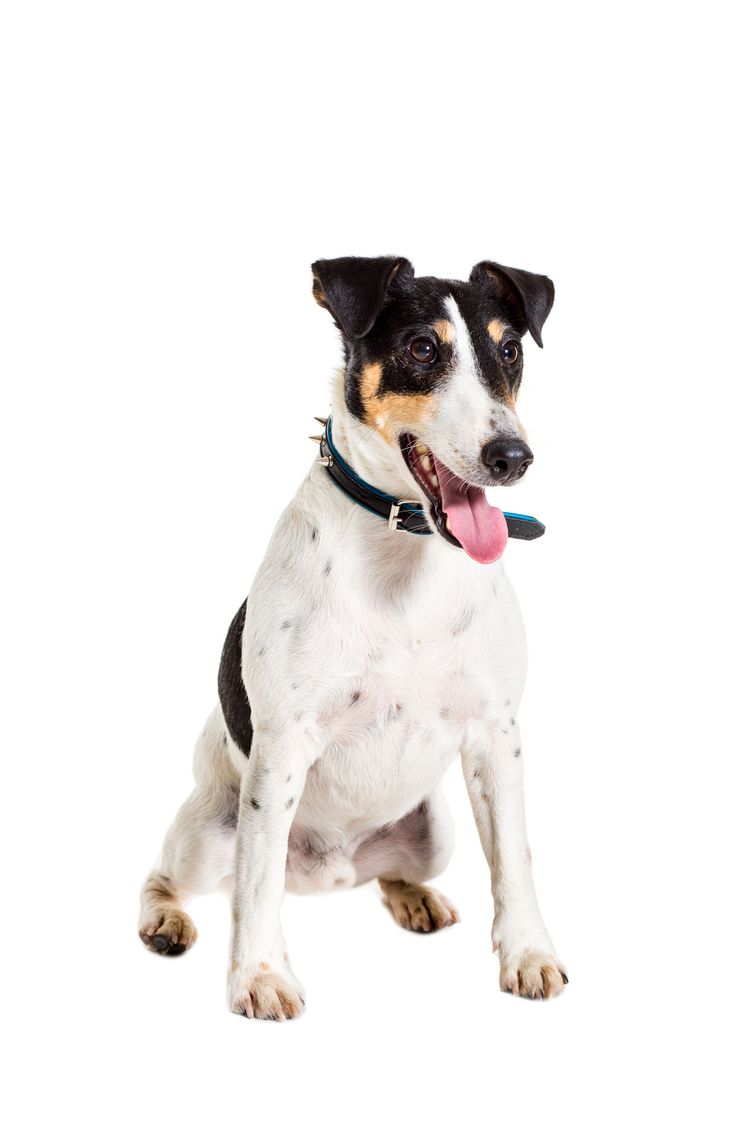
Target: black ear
pixel 530 295
pixel 354 289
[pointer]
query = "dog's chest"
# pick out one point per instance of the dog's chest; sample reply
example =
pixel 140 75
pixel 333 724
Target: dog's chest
pixel 387 660
pixel 393 727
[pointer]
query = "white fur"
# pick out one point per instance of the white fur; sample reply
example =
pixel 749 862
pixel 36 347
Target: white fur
pixel 371 659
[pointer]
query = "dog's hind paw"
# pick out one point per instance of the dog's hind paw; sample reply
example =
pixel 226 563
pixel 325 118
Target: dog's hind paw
pixel 418 908
pixel 533 974
pixel 265 994
pixel 169 932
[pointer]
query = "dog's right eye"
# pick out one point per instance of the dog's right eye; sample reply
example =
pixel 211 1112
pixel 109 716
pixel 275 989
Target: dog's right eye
pixel 423 350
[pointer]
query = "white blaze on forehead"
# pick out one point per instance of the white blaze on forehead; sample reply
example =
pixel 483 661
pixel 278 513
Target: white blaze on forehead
pixel 463 347
pixel 468 400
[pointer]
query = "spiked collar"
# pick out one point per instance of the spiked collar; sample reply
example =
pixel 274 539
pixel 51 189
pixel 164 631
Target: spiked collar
pixel 401 515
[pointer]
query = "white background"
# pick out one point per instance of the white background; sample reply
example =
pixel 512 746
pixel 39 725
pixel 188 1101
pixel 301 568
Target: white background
pixel 169 172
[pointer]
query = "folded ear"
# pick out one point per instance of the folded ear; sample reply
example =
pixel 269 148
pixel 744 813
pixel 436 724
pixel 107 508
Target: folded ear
pixel 530 295
pixel 354 289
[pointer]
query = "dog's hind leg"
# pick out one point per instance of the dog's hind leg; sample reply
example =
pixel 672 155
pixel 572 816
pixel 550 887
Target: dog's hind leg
pixel 402 855
pixel 198 850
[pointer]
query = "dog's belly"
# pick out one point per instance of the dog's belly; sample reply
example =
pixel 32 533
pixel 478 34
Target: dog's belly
pixel 356 789
pixel 386 752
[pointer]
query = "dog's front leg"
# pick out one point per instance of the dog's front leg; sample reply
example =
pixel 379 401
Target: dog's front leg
pixel 493 771
pixel 261 982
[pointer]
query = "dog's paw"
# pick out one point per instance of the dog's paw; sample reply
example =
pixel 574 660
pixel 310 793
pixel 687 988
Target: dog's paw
pixel 418 908
pixel 533 974
pixel 266 993
pixel 168 931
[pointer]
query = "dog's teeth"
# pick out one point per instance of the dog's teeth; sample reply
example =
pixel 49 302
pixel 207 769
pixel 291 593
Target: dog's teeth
pixel 448 525
pixel 421 448
pixel 433 480
pixel 426 464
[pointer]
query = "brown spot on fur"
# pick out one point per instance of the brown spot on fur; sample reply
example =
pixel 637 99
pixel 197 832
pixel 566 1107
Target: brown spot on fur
pixel 495 330
pixel 235 966
pixel 391 413
pixel 372 373
pixel 264 966
pixel 416 907
pixel 444 331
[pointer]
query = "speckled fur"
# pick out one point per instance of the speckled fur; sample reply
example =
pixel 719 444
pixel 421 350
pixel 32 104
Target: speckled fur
pixel 372 660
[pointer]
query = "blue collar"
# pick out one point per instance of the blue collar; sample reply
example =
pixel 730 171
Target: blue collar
pixel 402 515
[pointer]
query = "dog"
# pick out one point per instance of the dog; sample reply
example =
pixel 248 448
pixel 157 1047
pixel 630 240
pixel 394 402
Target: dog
pixel 381 639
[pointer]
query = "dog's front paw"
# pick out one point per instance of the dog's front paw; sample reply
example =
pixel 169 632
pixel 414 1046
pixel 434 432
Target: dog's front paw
pixel 533 973
pixel 267 992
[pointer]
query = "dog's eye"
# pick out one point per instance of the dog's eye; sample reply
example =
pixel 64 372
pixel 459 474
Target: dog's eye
pixel 509 353
pixel 423 350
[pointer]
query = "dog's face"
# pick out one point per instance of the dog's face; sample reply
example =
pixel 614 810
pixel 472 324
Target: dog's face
pixel 435 368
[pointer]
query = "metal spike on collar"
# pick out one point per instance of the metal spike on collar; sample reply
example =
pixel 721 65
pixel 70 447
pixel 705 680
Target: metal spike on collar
pixel 325 458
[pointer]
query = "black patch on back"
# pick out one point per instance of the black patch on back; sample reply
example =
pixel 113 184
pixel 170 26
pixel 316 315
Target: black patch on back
pixel 232 695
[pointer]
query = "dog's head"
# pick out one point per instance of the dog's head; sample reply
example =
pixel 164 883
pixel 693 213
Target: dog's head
pixel 435 368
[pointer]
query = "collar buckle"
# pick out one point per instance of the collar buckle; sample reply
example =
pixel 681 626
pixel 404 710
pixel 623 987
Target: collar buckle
pixel 395 517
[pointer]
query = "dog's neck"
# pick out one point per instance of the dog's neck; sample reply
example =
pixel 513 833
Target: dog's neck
pixel 391 561
pixel 369 453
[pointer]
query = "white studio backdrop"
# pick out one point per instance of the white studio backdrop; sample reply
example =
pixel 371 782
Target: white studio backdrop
pixel 169 172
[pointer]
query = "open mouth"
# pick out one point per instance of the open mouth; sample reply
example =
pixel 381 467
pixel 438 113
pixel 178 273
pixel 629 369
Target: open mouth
pixel 459 510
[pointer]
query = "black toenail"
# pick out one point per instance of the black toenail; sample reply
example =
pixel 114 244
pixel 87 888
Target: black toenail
pixel 160 942
pixel 176 950
pixel 564 977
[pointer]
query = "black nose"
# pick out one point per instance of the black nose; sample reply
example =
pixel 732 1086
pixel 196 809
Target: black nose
pixel 507 459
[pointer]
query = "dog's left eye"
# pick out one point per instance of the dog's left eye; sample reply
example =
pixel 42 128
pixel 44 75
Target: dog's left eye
pixel 509 353
pixel 423 350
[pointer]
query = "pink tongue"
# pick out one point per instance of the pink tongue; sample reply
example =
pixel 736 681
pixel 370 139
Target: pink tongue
pixel 480 529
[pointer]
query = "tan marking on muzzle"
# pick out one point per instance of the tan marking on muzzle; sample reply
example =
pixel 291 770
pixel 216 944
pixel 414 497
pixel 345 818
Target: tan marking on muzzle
pixel 444 331
pixel 495 329
pixel 391 413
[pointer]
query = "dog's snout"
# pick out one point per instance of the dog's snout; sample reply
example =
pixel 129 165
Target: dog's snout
pixel 507 459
